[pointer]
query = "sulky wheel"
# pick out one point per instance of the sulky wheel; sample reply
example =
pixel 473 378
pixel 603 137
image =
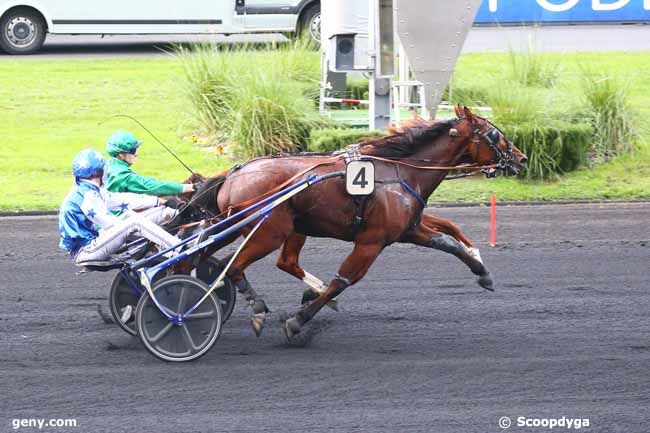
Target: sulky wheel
pixel 123 299
pixel 184 340
pixel 124 296
pixel 208 271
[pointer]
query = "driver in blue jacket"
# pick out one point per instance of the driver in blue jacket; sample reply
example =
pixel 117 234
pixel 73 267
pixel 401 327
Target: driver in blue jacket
pixel 88 229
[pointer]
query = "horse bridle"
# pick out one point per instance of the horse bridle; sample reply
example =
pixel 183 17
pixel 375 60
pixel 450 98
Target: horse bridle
pixel 491 136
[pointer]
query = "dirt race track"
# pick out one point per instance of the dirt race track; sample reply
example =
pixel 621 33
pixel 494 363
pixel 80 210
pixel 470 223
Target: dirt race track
pixel 418 347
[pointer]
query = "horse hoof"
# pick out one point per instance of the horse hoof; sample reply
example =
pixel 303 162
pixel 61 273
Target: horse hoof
pixel 486 282
pixel 257 322
pixel 291 328
pixel 308 295
pixel 259 307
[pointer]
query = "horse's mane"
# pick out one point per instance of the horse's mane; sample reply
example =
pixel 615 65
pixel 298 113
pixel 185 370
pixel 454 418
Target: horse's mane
pixel 406 139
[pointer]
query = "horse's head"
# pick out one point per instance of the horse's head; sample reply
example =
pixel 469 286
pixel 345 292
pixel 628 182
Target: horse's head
pixel 487 144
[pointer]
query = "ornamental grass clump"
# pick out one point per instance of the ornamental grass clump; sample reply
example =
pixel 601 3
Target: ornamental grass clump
pixel 609 111
pixel 257 99
pixel 206 84
pixel 532 69
pixel 512 104
pixel 269 116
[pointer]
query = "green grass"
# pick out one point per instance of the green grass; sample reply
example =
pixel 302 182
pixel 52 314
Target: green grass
pixel 51 109
pixel 609 111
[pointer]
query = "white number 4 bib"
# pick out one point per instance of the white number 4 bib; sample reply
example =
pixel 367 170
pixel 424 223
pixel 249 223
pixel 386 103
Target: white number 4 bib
pixel 360 178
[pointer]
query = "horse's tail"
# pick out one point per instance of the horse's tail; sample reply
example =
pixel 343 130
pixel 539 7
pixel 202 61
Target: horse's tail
pixel 206 196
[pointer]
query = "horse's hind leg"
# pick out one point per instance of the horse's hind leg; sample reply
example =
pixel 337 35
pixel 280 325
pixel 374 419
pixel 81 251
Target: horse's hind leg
pixel 431 238
pixel 352 270
pixel 288 262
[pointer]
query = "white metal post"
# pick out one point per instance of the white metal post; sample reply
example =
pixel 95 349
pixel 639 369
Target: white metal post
pixel 379 88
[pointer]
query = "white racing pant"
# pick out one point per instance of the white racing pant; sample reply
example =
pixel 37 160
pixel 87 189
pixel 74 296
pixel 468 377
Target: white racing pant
pixel 143 224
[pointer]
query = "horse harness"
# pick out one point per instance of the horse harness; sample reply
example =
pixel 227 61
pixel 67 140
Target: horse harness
pixel 360 202
pixel 491 137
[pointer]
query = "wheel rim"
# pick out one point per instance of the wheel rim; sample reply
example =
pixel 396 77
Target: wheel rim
pixel 21 32
pixel 208 271
pixel 314 28
pixel 191 338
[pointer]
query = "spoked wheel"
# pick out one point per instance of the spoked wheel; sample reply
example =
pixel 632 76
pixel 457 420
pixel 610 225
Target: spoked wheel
pixel 123 299
pixel 208 271
pixel 184 340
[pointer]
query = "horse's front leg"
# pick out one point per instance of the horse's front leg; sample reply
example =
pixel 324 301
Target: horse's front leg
pixel 352 270
pixel 427 234
pixel 288 262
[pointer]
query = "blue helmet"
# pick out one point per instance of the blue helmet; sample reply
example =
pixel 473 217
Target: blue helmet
pixel 87 162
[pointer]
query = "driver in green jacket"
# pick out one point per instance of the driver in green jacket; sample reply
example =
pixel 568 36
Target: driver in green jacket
pixel 122 147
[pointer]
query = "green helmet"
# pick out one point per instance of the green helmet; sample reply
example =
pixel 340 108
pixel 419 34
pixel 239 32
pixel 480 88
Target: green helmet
pixel 122 142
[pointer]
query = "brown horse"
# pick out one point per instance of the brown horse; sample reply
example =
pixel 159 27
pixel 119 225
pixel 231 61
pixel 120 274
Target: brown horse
pixel 410 163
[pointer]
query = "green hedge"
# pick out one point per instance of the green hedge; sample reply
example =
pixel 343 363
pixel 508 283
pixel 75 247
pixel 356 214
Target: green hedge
pixel 552 149
pixel 329 139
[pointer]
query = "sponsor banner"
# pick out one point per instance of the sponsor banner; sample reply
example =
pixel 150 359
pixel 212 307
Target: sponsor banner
pixel 562 11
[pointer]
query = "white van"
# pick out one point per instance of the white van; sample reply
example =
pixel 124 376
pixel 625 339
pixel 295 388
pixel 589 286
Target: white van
pixel 25 23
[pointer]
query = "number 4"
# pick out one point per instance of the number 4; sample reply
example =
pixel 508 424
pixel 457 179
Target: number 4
pixel 360 178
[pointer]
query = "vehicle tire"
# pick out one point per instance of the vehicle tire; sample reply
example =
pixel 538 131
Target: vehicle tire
pixel 191 338
pixel 310 23
pixel 208 271
pixel 22 31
